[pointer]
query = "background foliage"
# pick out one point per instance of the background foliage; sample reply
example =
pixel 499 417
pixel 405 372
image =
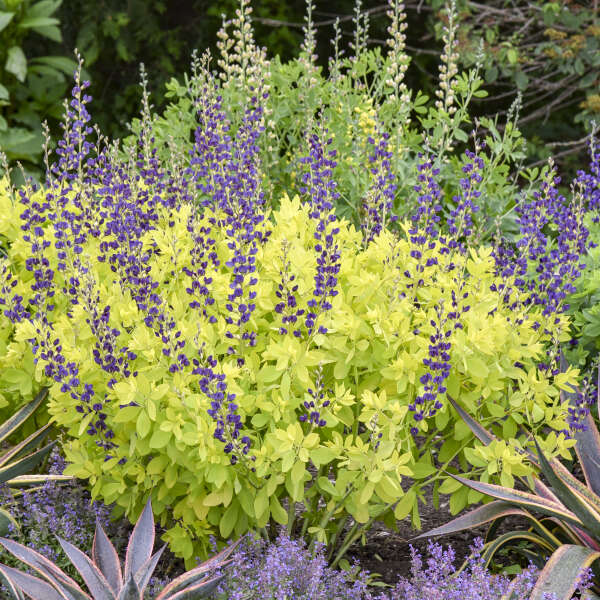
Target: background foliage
pixel 545 50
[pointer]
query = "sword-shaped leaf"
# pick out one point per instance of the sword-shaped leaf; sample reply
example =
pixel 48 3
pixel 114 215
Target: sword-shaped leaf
pixel 34 588
pixel 142 577
pixel 197 591
pixel 106 559
pixel 46 569
pixel 26 445
pixel 26 480
pixel 192 578
pixel 479 431
pixel 477 517
pixel 141 542
pixel 25 464
pixel 7 522
pixel 588 452
pixel 562 572
pixel 91 575
pixel 11 425
pixel 576 498
pixel 523 499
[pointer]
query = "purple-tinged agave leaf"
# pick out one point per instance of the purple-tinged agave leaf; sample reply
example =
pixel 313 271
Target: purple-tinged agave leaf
pixel 572 493
pixel 522 499
pixel 478 430
pixel 34 588
pixel 91 575
pixel 141 542
pixel 142 577
pixel 575 534
pixel 22 466
pixel 130 590
pixel 27 480
pixel 13 588
pixel 475 518
pixel 105 557
pixel 562 572
pixel 200 572
pixel 26 445
pixel 192 592
pixel 588 452
pixel 47 569
pixel 12 424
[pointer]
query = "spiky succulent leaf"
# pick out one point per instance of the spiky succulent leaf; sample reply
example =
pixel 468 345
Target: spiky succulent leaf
pixel 200 590
pixel 91 575
pixel 11 425
pixel 130 590
pixel 194 577
pixel 46 569
pixel 35 588
pixel 561 574
pixel 141 542
pixel 522 499
pixel 572 493
pixel 106 559
pixel 27 480
pixel 22 448
pixel 477 517
pixel 480 432
pixel 142 577
pixel 23 465
pixel 588 452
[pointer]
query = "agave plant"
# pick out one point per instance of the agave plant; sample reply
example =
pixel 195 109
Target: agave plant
pixel 22 458
pixel 569 528
pixel 102 573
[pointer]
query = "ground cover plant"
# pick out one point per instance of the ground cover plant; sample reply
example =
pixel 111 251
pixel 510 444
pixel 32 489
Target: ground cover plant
pixel 258 340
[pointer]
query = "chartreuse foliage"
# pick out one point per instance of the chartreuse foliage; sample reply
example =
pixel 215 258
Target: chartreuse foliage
pixel 363 463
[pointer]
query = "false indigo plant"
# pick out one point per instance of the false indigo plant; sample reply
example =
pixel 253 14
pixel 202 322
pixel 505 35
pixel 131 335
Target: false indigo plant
pixel 193 320
pixel 379 198
pixel 318 186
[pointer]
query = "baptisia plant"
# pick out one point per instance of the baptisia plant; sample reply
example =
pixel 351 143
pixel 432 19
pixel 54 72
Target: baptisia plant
pixel 247 367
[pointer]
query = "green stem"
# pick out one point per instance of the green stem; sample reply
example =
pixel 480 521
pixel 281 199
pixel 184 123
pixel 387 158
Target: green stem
pixel 352 535
pixel 334 537
pixel 291 512
pixel 314 502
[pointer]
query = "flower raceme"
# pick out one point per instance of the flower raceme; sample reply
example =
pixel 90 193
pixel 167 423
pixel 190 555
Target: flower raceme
pixel 172 351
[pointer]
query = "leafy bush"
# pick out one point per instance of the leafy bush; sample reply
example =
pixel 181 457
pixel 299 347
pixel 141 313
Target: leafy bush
pixel 363 98
pixel 31 87
pixel 234 361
